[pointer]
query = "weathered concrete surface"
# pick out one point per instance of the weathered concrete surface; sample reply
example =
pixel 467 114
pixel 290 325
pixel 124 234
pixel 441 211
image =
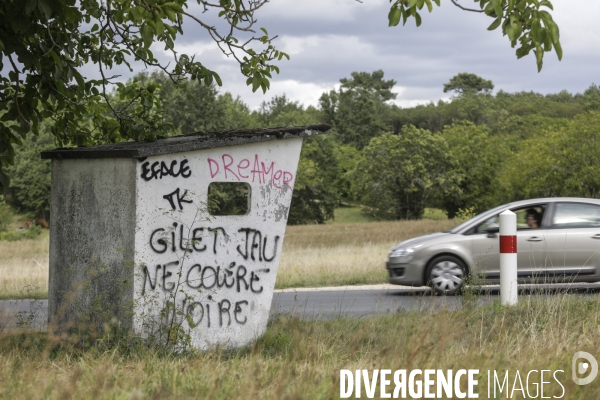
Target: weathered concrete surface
pixel 91 241
pixel 133 243
pixel 218 271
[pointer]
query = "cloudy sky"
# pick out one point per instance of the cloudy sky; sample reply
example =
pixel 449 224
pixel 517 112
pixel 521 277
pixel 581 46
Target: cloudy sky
pixel 328 39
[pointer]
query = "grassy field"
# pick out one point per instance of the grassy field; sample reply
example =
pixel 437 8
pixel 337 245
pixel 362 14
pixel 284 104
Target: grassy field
pixel 24 268
pixel 302 359
pixel 313 255
pixel 345 254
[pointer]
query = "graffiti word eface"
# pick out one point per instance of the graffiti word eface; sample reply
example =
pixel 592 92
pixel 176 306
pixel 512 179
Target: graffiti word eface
pixel 161 169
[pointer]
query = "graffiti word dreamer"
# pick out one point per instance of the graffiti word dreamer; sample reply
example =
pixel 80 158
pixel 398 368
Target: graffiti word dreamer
pixel 227 167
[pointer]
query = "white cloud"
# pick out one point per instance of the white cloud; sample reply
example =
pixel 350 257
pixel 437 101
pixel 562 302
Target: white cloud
pixel 324 49
pixel 327 10
pixel 303 92
pixel 306 93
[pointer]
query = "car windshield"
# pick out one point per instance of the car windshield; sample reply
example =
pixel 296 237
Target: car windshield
pixel 477 217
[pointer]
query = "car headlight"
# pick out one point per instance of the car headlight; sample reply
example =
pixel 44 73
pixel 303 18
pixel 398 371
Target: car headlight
pixel 403 254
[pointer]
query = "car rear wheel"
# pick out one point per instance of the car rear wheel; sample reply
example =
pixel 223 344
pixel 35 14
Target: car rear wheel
pixel 446 275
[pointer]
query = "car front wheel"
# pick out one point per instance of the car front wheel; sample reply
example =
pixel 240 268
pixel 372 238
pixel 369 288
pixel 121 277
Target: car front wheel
pixel 446 275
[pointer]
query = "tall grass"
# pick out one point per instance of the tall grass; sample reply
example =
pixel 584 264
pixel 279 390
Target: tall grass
pixel 298 359
pixel 24 268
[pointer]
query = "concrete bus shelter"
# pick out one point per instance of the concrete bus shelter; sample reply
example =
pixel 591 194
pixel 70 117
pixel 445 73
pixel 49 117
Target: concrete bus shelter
pixel 134 244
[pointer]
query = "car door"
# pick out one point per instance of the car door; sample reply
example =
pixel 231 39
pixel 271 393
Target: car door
pixel 485 250
pixel 574 241
pixel 531 241
pixel 531 245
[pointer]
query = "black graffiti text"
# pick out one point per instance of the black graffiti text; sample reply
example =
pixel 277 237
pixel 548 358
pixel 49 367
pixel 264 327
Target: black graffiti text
pixel 162 241
pixel 235 277
pixel 196 312
pixel 160 169
pixel 178 198
pixel 167 286
pixel 254 240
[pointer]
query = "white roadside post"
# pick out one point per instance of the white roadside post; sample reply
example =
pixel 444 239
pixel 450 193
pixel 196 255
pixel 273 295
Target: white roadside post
pixel 508 258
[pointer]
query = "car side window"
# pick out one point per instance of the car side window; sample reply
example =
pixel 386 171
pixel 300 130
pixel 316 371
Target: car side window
pixel 576 215
pixel 482 228
pixel 529 217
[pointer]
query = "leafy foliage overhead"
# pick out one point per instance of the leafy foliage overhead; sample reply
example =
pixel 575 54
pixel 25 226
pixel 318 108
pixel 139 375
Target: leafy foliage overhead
pixel 527 23
pixel 45 43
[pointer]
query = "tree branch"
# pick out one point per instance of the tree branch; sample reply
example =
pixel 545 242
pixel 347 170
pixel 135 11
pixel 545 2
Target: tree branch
pixel 455 2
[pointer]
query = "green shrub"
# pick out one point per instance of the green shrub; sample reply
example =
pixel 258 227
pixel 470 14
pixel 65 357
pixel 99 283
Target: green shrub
pixel 6 216
pixel 31 233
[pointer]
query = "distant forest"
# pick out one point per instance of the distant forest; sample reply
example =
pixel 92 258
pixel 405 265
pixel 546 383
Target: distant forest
pixel 463 156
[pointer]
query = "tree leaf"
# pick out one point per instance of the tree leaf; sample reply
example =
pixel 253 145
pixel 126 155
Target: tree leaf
pixel 217 78
pixel 554 32
pixel 55 57
pixel 147 35
pixel 558 49
pixel 429 5
pixel 539 54
pixel 137 15
pixel 494 24
pixel 256 80
pixel 45 8
pixel 30 5
pixel 536 30
pixel 79 79
pixel 498 8
pixel 174 6
pixel 159 28
pixel 394 16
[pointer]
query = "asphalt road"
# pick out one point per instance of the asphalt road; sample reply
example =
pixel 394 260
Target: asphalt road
pixel 326 303
pixel 361 303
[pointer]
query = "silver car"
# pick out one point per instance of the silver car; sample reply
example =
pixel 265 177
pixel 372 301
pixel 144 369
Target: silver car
pixel 558 239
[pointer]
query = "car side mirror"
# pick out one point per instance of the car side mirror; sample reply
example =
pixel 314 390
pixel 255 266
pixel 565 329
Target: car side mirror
pixel 492 229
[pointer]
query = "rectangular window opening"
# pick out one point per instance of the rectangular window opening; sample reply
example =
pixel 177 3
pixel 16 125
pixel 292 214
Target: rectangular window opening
pixel 228 198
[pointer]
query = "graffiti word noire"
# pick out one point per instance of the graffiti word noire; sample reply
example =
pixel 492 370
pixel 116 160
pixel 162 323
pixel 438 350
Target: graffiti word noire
pixel 224 312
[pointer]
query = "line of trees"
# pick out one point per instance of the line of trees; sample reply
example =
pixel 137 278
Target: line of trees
pixel 474 151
